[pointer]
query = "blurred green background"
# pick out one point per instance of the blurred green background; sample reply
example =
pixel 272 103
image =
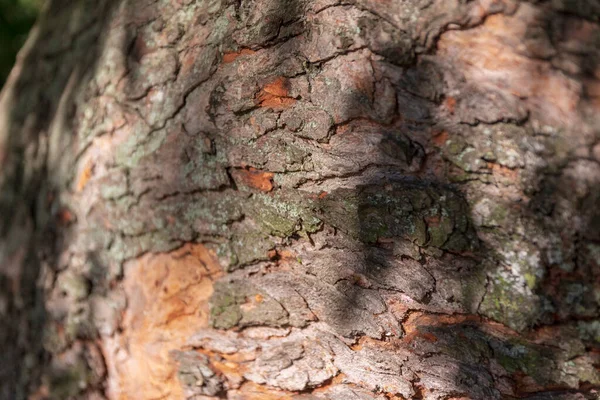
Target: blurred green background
pixel 16 18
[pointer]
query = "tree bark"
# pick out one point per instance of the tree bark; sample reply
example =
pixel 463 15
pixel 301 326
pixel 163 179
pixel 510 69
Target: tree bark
pixel 293 199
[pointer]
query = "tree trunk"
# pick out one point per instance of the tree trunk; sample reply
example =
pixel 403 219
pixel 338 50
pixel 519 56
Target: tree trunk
pixel 294 199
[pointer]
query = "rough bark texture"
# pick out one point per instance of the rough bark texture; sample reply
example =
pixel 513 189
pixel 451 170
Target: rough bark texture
pixel 293 199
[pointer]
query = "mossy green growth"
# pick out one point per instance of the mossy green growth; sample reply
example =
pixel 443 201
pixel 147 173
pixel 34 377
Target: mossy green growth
pixel 423 214
pixel 531 280
pixel 138 145
pixel 224 304
pixel 589 330
pixel 250 247
pixel 519 356
pixel 373 224
pixel 79 324
pixel 499 214
pixel 417 231
pixel 507 301
pixel 491 212
pixel 52 340
pixel 209 214
pixel 461 342
pixel 114 191
pixel 439 232
pixel 462 177
pixel 226 310
pixel 69 382
pixel 340 209
pixel 277 224
pixel 220 28
pixel 284 213
pixel 129 247
pixel 455 146
pixel 73 285
pixel 458 242
pixel 473 289
pixel 468 160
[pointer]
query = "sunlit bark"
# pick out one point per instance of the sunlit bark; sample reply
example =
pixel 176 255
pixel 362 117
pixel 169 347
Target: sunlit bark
pixel 293 199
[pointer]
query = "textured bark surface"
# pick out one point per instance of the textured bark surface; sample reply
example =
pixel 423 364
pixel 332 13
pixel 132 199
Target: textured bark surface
pixel 293 199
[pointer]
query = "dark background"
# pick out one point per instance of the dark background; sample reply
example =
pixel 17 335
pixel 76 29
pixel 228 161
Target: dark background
pixel 16 18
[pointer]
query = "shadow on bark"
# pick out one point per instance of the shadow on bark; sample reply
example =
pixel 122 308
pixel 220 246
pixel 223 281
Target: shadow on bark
pixel 533 262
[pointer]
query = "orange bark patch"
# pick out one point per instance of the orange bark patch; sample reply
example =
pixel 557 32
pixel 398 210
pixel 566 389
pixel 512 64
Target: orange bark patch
pixel 430 337
pixel 251 303
pixel 418 320
pixel 450 104
pixel 433 220
pixel 282 258
pixel 187 62
pixel 319 196
pixel 420 391
pixel 287 255
pixel 359 345
pixel 232 371
pixel 65 216
pixel 440 139
pixel 252 391
pixel 502 171
pixel 277 87
pixel 526 384
pixel 232 56
pixel 391 396
pixel 343 129
pixel 231 366
pixel 360 280
pixel 275 94
pixel 363 84
pixel 85 175
pixel 254 178
pixel 339 379
pixel 275 102
pixel 167 301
